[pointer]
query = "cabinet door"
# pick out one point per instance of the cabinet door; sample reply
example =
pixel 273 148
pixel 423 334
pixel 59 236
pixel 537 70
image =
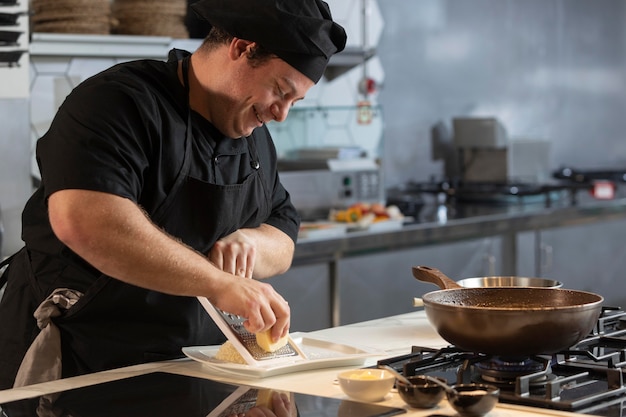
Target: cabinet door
pixel 307 289
pixel 588 257
pixel 381 284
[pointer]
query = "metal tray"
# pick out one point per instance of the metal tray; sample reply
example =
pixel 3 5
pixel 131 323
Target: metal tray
pixel 10 58
pixel 9 37
pixel 9 19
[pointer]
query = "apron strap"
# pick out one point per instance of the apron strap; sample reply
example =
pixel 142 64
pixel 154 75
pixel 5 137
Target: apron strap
pixel 163 208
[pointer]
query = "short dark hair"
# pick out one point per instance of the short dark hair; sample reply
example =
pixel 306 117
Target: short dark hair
pixel 217 37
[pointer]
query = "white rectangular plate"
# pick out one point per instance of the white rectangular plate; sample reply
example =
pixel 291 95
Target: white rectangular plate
pixel 322 230
pixel 319 354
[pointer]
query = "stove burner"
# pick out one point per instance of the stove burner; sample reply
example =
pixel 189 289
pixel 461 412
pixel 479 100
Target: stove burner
pixel 500 370
pixel 498 193
pixel 590 175
pixel 621 324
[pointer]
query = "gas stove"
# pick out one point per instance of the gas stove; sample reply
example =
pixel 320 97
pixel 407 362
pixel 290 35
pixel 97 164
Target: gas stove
pixel 590 175
pixel 496 192
pixel 587 378
pixel 567 187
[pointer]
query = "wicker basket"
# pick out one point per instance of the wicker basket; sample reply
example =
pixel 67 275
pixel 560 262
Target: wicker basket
pixel 71 16
pixel 150 18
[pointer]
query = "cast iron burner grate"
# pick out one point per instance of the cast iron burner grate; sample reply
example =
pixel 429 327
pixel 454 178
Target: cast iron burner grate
pixel 588 378
pixel 500 193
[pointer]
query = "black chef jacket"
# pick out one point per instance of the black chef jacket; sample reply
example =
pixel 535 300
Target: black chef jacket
pixel 139 140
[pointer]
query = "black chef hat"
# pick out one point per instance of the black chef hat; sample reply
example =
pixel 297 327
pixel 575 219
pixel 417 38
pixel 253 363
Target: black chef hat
pixel 300 32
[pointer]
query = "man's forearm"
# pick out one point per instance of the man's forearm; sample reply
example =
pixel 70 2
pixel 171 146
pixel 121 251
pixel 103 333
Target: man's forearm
pixel 274 251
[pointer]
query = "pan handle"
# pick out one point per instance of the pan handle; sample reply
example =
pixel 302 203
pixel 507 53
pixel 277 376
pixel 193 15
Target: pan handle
pixel 418 302
pixel 434 276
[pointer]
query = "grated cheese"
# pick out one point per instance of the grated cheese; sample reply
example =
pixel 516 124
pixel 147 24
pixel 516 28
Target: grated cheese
pixel 228 353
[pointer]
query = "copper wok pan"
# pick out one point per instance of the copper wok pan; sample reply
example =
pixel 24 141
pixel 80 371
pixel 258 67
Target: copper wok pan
pixel 508 321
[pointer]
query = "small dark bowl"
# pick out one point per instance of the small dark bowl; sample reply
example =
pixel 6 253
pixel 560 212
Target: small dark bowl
pixel 470 403
pixel 422 394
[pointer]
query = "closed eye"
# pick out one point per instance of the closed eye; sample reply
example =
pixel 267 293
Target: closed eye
pixel 280 91
pixel 289 93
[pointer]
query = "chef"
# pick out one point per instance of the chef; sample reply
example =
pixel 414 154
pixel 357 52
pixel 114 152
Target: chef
pixel 159 184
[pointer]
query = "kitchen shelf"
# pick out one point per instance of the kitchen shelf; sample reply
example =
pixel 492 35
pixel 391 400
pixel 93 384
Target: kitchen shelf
pixel 347 59
pixel 119 46
pixel 156 47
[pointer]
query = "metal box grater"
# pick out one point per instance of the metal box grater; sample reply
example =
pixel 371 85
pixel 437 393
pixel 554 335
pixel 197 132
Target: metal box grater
pixel 245 342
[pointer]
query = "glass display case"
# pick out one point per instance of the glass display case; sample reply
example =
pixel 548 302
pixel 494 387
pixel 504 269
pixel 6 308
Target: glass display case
pixel 330 132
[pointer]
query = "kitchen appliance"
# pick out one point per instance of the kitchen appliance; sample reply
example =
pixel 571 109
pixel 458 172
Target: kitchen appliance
pixel 162 394
pixel 602 183
pixel 520 161
pixel 479 132
pixel 318 185
pixel 494 193
pixel 484 152
pixel 481 164
pixel 587 378
pixel 586 176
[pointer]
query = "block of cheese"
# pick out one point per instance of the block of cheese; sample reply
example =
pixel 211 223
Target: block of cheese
pixel 264 340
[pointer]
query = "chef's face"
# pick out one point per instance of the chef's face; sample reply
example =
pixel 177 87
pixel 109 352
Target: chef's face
pixel 258 93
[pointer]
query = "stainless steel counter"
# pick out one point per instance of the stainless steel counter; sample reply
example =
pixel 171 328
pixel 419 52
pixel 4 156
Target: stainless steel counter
pixel 448 223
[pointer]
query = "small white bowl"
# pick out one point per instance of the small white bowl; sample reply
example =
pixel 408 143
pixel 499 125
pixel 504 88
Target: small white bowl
pixel 369 385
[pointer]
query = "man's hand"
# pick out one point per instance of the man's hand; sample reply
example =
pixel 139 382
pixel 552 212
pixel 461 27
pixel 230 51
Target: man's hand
pixel 282 405
pixel 235 254
pixel 258 302
pixel 259 252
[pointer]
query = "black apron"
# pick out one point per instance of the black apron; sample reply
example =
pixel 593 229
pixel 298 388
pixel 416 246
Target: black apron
pixel 116 324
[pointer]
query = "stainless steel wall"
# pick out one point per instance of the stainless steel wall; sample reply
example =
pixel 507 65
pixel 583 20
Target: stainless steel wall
pixel 548 69
pixel 14 169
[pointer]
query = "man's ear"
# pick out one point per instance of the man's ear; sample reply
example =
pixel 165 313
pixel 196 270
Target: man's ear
pixel 240 47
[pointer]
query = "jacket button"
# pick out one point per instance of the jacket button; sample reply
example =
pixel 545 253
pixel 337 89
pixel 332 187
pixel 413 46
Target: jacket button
pixel 255 164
